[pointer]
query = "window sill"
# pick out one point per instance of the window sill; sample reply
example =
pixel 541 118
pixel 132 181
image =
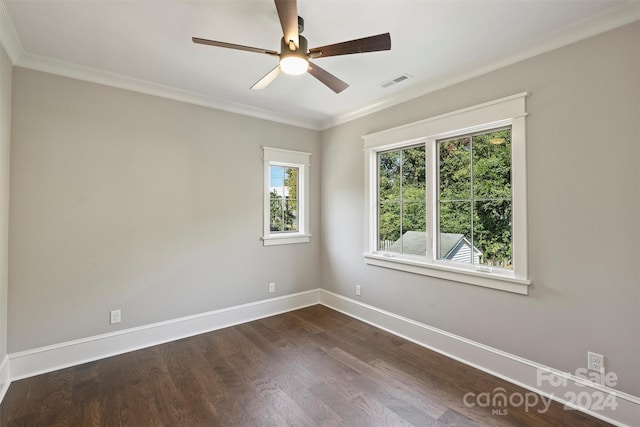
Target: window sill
pixel 285 239
pixel 478 278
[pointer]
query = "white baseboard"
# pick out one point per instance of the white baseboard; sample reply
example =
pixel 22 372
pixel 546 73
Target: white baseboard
pixel 514 369
pixel 532 376
pixel 5 380
pixel 63 355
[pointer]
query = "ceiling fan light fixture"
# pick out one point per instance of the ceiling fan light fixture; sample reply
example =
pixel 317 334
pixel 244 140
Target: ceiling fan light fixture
pixel 294 61
pixel 293 64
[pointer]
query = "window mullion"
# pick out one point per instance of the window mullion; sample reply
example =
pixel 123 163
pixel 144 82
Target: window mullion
pixel 431 193
pixel 378 201
pixel 401 201
pixel 471 200
pixel 283 201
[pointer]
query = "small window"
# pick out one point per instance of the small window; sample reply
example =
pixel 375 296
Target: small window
pixel 286 198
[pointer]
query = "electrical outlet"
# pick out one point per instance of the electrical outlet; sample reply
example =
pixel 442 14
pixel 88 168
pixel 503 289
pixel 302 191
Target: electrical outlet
pixel 595 362
pixel 272 287
pixel 359 290
pixel 116 316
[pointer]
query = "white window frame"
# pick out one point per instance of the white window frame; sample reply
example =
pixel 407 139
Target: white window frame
pixel 295 159
pixel 508 111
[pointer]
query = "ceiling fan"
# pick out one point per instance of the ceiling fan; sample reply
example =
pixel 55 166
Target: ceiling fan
pixel 294 55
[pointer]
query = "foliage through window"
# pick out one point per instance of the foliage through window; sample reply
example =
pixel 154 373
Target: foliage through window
pixel 474 199
pixel 402 200
pixel 474 202
pixel 283 191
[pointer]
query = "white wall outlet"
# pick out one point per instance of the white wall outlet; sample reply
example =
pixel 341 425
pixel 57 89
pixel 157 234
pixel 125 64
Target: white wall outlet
pixel 116 316
pixel 272 287
pixel 359 290
pixel 595 362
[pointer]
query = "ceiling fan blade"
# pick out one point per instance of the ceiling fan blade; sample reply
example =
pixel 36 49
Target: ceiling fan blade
pixel 267 79
pixel 288 14
pixel 366 44
pixel 331 81
pixel 233 46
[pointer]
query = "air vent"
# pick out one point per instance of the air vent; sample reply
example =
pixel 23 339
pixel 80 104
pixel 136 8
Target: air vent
pixel 396 80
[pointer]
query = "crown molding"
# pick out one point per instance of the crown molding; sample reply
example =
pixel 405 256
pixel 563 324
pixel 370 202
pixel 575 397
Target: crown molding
pixel 75 71
pixel 8 35
pixel 608 20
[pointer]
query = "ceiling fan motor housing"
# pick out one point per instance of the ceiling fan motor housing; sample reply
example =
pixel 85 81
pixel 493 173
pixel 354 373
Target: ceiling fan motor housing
pixel 285 47
pixel 294 61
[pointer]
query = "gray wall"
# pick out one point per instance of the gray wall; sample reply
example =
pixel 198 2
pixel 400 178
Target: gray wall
pixel 583 137
pixel 6 71
pixel 121 200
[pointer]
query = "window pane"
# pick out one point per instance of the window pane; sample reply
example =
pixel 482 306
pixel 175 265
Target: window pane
pixel 492 232
pixel 455 164
pixel 484 162
pixel 389 223
pixel 276 177
pixel 291 203
pixel 413 174
pixel 276 210
pixel 389 175
pixel 492 165
pixel 414 220
pixel 283 182
pixel 291 183
pixel 402 198
pixel 276 190
pixel 291 215
pixel 455 232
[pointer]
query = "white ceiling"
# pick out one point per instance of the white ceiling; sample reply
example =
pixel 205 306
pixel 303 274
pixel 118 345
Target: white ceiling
pixel 146 45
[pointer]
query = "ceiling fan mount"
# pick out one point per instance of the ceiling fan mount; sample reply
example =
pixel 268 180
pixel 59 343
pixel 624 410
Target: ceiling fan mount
pixel 300 24
pixel 294 53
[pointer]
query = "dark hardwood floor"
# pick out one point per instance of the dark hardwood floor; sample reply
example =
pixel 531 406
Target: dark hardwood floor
pixel 310 367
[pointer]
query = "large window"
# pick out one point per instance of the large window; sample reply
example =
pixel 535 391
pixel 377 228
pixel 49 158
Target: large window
pixel 286 197
pixel 447 196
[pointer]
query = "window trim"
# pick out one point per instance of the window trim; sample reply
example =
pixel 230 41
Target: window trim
pixel 508 111
pixel 287 158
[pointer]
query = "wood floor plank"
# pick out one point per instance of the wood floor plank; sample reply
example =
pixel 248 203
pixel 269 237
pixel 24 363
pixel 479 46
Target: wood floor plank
pixel 396 393
pixel 309 367
pixel 299 393
pixel 89 413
